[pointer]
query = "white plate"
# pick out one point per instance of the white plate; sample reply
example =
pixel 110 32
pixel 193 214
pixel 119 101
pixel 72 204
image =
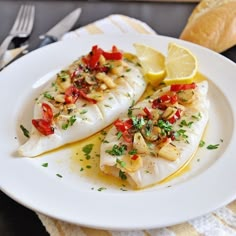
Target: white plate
pixel 209 184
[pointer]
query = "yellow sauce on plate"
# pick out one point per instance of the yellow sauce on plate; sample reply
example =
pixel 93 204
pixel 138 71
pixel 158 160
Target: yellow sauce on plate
pixel 87 165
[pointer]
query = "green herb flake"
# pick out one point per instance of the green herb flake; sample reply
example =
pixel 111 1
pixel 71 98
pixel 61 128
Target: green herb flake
pixel 117 150
pixel 83 112
pixel 185 123
pixel 212 146
pixel 202 143
pixel 101 189
pixel 138 122
pixel 87 150
pixel 58 175
pixel 70 122
pixel 122 175
pixel 123 189
pixel 119 135
pixel 133 152
pixel 88 166
pixel 121 163
pixel 25 131
pixel 48 96
pixel 45 164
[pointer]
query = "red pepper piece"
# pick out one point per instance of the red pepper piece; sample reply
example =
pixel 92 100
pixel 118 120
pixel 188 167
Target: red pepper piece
pixel 127 136
pixel 47 112
pixel 71 95
pixel 157 105
pixel 94 57
pixel 135 157
pixel 112 55
pixel 175 117
pixel 173 99
pixel 84 96
pixel 147 112
pixel 164 98
pixel 43 126
pixel 122 126
pixel 179 87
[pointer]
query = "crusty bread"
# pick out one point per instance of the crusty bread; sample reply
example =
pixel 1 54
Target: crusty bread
pixel 212 24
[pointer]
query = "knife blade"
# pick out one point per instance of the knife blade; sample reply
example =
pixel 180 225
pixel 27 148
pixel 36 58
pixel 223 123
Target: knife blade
pixel 63 26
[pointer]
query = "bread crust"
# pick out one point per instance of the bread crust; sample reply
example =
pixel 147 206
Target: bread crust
pixel 212 24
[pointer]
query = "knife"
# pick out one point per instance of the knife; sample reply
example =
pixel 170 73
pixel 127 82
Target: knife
pixel 56 32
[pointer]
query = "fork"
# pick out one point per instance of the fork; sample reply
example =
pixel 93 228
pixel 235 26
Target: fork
pixel 22 28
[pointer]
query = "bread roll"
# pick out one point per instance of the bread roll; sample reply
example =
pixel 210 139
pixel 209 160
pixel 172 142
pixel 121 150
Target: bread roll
pixel 212 24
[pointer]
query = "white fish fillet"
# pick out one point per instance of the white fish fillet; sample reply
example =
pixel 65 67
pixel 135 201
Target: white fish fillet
pixel 90 118
pixel 156 169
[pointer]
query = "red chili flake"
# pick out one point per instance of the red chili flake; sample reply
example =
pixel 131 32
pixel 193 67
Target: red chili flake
pixel 135 157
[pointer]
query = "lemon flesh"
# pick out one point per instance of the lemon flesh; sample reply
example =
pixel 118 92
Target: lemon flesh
pixel 152 62
pixel 181 65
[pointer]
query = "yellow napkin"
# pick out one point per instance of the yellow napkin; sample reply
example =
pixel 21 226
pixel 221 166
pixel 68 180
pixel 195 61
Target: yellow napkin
pixel 219 223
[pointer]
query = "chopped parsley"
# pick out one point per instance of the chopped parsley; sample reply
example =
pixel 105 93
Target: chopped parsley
pixel 213 146
pixel 25 131
pixel 69 123
pixel 138 122
pixel 117 150
pixel 133 152
pixel 165 126
pixel 122 175
pixel 181 134
pixel 202 143
pixel 87 150
pixel 48 96
pixel 58 175
pixel 83 112
pixel 45 164
pixel 185 123
pixel 121 163
pixel 101 189
pixel 119 135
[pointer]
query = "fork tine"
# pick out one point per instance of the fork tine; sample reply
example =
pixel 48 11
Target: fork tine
pixel 18 19
pixel 30 19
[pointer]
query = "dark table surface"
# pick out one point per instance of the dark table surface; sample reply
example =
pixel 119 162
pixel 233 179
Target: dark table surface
pixel 165 18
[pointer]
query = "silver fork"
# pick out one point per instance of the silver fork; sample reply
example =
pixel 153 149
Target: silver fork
pixel 22 28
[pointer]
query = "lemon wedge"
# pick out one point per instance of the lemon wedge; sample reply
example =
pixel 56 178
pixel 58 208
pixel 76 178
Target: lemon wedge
pixel 152 62
pixel 181 65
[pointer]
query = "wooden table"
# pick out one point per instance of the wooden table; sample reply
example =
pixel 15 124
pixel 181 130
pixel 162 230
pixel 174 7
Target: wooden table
pixel 164 17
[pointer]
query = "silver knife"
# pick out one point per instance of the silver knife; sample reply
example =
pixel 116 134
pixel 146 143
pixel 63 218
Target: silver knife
pixel 56 32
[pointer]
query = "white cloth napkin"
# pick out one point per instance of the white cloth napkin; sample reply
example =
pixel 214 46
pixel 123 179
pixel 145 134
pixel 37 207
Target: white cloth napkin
pixel 12 54
pixel 219 223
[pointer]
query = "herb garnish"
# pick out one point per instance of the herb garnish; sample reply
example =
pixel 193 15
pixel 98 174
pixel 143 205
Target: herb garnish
pixel 121 163
pixel 25 131
pixel 213 146
pixel 70 122
pixel 202 143
pixel 117 150
pixel 133 152
pixel 185 123
pixel 122 175
pixel 101 189
pixel 87 150
pixel 48 96
pixel 45 164
pixel 138 122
